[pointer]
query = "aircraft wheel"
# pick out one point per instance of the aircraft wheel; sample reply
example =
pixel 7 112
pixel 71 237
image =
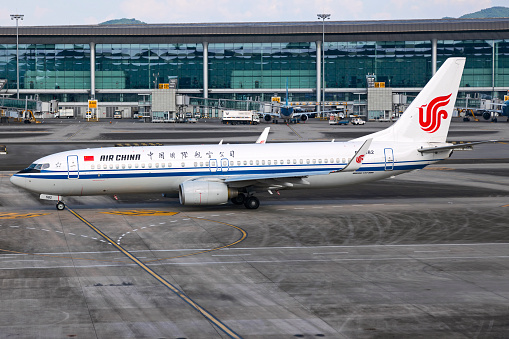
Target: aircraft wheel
pixel 252 203
pixel 60 206
pixel 239 200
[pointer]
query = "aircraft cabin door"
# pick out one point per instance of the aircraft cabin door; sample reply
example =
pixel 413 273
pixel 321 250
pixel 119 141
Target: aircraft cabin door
pixel 213 165
pixel 389 159
pixel 73 169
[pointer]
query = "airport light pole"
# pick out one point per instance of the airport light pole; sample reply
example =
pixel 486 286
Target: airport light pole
pixel 17 17
pixel 323 17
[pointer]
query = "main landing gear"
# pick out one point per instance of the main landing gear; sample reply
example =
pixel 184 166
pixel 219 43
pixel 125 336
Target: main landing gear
pixel 60 206
pixel 250 202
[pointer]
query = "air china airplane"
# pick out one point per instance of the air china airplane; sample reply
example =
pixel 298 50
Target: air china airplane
pixel 215 174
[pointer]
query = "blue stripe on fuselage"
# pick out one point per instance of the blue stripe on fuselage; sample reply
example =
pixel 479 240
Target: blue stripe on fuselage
pixel 232 171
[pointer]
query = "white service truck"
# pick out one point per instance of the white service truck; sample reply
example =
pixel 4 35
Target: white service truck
pixel 65 113
pixel 241 117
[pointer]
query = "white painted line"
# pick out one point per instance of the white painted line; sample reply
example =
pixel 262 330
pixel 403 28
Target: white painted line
pixel 229 255
pixel 243 262
pixel 287 248
pixel 331 253
pixel 15 226
pixel 71 233
pixel 42 229
pixel 59 232
pixel 432 251
pixel 30 228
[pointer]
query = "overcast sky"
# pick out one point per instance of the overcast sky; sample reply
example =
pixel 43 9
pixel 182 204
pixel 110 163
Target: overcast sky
pixel 72 12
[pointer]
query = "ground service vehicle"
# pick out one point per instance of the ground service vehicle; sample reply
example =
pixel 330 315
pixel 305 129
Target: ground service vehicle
pixel 65 113
pixel 241 117
pixel 358 121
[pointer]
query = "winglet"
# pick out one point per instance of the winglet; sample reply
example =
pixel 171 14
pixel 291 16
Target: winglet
pixel 262 139
pixel 356 162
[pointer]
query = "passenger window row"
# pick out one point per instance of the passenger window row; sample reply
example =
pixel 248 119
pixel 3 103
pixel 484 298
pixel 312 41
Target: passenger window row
pixel 207 164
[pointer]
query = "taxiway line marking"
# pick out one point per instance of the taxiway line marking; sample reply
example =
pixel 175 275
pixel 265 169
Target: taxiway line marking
pixel 209 316
pixel 294 131
pixel 243 236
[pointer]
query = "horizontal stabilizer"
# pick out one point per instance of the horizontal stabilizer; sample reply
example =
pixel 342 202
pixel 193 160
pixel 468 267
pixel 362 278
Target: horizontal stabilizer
pixel 452 147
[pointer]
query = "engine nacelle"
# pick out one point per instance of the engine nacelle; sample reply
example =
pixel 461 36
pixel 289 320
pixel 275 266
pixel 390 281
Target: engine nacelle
pixel 267 117
pixel 303 117
pixel 205 193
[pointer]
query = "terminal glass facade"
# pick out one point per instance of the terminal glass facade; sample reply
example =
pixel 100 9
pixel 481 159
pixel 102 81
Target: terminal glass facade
pixel 144 66
pixel 262 65
pixel 65 66
pixel 242 68
pixel 397 63
pixel 478 67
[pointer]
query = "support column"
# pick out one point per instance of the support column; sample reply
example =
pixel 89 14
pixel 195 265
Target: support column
pixel 433 56
pixel 92 70
pixel 206 75
pixel 318 76
pixel 494 55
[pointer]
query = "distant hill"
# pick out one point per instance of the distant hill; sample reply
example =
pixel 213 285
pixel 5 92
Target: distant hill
pixel 123 21
pixel 493 12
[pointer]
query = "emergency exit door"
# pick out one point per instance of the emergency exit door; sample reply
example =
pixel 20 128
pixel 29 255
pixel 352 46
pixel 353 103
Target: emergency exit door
pixel 73 168
pixel 389 159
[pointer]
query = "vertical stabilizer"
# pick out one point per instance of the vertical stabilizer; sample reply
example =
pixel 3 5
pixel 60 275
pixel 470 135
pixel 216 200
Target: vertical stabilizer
pixel 428 117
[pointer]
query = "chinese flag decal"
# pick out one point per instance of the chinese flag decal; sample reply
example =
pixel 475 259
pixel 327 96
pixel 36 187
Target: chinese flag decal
pixel 89 158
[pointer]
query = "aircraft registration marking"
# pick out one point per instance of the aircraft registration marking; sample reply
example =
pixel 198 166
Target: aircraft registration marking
pixel 142 213
pixel 21 215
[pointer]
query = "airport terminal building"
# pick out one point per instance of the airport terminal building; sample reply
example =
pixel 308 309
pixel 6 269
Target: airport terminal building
pixel 115 64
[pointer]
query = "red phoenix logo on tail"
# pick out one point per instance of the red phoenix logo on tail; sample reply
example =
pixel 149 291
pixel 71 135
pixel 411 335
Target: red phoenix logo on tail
pixel 431 119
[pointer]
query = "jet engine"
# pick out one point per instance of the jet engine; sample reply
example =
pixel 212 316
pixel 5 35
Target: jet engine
pixel 303 117
pixel 205 193
pixel 267 117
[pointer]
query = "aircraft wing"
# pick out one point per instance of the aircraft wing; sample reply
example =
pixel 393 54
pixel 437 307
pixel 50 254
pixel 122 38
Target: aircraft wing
pixel 263 176
pixel 286 179
pixel 452 147
pixel 271 180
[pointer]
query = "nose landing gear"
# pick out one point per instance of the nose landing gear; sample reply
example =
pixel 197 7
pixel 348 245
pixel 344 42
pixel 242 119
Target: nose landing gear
pixel 60 206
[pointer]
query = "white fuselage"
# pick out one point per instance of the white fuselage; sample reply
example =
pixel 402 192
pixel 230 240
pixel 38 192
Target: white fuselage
pixel 161 169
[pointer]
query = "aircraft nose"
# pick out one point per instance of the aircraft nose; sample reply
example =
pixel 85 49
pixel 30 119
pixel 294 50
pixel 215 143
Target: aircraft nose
pixel 18 180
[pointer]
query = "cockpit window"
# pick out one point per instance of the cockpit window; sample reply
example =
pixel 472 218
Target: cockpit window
pixel 36 167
